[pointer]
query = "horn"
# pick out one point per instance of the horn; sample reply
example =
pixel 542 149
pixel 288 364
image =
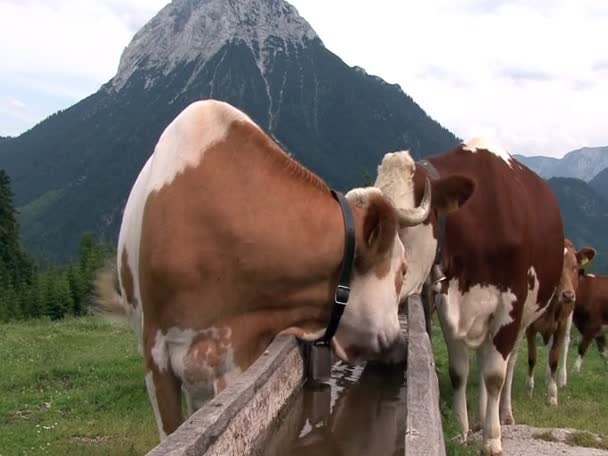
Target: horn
pixel 417 215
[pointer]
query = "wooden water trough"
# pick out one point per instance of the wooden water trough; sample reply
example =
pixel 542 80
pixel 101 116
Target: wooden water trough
pixel 241 419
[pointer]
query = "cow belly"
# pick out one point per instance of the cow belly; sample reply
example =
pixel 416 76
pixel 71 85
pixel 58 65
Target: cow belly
pixel 480 310
pixel 202 359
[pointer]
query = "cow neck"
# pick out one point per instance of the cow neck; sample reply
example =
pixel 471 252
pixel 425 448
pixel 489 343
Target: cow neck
pixel 342 292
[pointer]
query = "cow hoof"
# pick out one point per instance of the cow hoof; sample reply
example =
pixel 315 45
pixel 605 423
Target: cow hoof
pixel 507 420
pixel 552 401
pixel 492 448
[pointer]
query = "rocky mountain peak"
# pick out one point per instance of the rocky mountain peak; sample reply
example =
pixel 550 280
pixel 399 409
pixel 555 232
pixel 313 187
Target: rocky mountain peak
pixel 188 30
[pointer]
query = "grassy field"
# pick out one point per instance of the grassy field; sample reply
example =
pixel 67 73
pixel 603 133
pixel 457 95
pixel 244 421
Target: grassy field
pixel 583 403
pixel 74 387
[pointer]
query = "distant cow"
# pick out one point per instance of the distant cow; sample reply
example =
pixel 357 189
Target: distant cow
pixel 591 309
pixel 554 325
pixel 226 242
pixel 502 257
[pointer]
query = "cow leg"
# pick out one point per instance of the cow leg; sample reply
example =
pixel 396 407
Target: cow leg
pixel 531 338
pixel 552 361
pixel 583 346
pixel 196 396
pixel 601 346
pixel 163 386
pixel 165 398
pixel 483 396
pixel 562 378
pixel 506 411
pixel 458 359
pixel 493 367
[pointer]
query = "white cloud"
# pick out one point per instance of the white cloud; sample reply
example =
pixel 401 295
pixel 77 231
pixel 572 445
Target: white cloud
pixel 533 74
pixel 16 104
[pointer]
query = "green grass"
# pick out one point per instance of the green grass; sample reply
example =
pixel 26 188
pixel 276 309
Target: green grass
pixel 72 387
pixel 587 439
pixel 582 403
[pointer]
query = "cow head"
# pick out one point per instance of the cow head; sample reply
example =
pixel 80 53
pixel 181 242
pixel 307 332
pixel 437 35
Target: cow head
pixel 573 263
pixel 370 326
pixel 398 182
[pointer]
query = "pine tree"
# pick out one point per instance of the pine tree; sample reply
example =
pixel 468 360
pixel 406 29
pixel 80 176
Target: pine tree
pixel 56 303
pixel 3 306
pixel 77 289
pixel 16 267
pixel 12 304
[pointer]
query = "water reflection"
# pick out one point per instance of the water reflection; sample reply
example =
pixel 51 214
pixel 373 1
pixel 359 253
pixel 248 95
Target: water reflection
pixel 361 412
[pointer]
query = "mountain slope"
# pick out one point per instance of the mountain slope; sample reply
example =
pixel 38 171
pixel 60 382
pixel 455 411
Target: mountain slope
pixel 584 163
pixel 585 216
pixel 600 184
pixel 73 171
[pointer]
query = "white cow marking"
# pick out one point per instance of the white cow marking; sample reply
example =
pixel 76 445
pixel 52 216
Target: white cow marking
pixel 563 368
pixel 186 139
pixel 481 144
pixel 152 395
pixel 468 314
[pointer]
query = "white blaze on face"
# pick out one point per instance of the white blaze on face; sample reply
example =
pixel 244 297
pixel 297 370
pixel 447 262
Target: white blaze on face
pixel 370 321
pixel 395 180
pixel 482 144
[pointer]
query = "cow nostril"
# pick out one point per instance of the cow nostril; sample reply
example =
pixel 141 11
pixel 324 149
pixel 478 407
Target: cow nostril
pixel 568 295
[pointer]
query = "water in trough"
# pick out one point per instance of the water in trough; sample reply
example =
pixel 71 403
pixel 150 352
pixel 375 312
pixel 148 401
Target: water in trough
pixel 360 412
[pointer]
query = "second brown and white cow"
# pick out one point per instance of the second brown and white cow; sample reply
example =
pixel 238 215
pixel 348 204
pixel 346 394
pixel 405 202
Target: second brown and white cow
pixel 502 257
pixel 226 242
pixel 554 325
pixel 591 310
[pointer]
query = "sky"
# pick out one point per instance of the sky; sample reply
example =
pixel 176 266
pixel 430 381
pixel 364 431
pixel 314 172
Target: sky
pixel 532 75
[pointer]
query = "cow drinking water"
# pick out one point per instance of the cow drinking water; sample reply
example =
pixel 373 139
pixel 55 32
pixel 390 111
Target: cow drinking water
pixel 226 242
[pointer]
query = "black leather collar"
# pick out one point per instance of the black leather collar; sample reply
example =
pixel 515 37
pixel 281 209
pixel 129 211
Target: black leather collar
pixel 343 289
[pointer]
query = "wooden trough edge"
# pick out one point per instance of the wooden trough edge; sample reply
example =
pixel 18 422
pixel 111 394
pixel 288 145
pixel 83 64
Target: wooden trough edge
pixel 231 423
pixel 423 429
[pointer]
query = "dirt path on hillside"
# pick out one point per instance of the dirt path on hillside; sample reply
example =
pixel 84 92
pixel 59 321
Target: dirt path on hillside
pixel 521 440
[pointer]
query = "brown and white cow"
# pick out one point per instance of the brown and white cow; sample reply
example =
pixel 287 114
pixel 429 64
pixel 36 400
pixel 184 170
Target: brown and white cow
pixel 226 242
pixel 502 258
pixel 591 309
pixel 554 326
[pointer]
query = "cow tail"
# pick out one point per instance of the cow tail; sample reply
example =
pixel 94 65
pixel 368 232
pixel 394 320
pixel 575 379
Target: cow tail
pixel 107 300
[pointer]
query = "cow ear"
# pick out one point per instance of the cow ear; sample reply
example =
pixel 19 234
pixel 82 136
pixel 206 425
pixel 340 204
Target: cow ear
pixel 584 256
pixel 379 226
pixel 450 193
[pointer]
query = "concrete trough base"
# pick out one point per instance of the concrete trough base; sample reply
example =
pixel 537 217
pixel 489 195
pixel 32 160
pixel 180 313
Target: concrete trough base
pixel 235 420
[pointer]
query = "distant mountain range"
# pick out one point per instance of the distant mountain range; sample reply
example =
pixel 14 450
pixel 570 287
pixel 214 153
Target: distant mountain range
pixel 73 171
pixel 582 164
pixel 600 183
pixel 585 215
